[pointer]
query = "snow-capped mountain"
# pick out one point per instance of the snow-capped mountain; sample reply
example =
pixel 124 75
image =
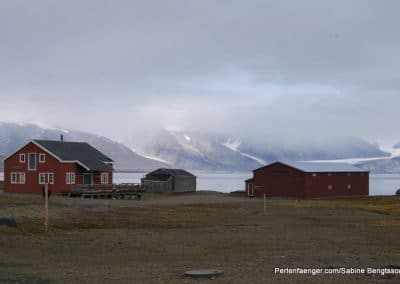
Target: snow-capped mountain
pixel 194 151
pixel 322 149
pixel 208 152
pixel 13 136
pixel 191 150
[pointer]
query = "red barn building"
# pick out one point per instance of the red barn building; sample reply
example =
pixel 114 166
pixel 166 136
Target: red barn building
pixel 308 180
pixel 60 164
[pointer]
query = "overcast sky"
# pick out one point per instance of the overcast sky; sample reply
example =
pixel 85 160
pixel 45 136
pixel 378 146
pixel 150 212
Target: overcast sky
pixel 247 68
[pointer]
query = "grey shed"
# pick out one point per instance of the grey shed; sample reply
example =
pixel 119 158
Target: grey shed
pixel 169 180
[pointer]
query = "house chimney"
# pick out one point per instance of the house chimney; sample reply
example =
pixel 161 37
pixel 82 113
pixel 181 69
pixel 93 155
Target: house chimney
pixel 61 137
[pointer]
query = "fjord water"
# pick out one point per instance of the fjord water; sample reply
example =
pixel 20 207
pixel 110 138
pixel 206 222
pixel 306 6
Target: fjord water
pixel 380 184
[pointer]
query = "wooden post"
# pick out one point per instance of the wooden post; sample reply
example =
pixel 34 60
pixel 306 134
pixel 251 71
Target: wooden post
pixel 265 205
pixel 46 207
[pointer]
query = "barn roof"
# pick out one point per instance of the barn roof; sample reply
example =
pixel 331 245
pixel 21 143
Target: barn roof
pixel 320 167
pixel 81 152
pixel 164 174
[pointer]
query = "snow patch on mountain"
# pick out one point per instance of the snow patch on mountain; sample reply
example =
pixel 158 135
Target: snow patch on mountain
pixel 187 138
pixel 234 145
pixel 150 157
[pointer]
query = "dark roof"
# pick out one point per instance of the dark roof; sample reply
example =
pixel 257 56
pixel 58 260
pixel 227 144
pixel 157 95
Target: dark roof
pixel 164 174
pixel 81 152
pixel 318 167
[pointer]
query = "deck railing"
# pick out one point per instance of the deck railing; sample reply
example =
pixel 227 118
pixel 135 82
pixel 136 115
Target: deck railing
pixel 106 187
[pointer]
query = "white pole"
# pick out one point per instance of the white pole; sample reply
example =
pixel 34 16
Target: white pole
pixel 46 207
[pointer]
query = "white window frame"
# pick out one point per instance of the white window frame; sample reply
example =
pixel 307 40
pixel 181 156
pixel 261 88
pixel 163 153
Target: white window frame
pixel 46 178
pixel 40 178
pixel 14 178
pixel 22 178
pixel 22 160
pixel 40 158
pixel 52 178
pixel 29 155
pixel 70 178
pixel 104 178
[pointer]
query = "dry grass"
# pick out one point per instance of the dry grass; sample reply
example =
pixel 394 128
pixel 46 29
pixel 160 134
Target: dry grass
pixel 389 205
pixel 155 241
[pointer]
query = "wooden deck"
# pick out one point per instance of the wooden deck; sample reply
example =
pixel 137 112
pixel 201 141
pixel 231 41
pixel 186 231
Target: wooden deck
pixel 114 191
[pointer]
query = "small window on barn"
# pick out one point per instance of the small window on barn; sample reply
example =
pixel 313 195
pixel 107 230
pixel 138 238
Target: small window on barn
pixel 42 157
pixel 348 174
pixel 104 178
pixel 13 177
pixel 42 178
pixel 22 158
pixel 314 174
pixel 329 174
pixel 349 186
pixel 22 178
pixel 330 187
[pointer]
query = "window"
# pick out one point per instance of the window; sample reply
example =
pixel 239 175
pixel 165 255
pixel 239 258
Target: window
pixel 42 157
pixel 42 178
pixel 349 186
pixel 330 187
pixel 50 178
pixel 104 178
pixel 22 158
pixel 32 161
pixel 70 178
pixel 22 178
pixel 18 178
pixel 314 174
pixel 46 178
pixel 13 177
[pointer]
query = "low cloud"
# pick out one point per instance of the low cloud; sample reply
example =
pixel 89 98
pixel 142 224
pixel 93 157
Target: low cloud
pixel 257 69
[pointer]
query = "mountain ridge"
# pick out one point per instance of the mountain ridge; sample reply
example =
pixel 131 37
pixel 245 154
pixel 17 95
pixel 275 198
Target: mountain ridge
pixel 192 150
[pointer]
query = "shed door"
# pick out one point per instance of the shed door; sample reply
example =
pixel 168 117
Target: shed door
pixel 87 178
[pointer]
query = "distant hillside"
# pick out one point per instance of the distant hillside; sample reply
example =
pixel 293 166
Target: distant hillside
pixel 382 165
pixel 396 146
pixel 323 149
pixel 195 151
pixel 209 152
pixel 13 136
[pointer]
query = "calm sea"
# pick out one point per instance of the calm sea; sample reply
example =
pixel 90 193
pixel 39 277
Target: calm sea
pixel 382 184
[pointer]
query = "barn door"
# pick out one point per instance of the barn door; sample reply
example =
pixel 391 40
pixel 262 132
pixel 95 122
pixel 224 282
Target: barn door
pixel 250 190
pixel 87 178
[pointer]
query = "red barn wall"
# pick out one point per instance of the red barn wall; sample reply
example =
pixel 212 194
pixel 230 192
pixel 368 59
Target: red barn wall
pixel 336 184
pixel 278 180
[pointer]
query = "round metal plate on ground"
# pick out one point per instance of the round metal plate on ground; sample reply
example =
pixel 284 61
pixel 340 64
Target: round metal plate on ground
pixel 203 273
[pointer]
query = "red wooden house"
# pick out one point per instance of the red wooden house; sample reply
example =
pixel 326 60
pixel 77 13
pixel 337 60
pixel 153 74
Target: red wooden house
pixel 60 164
pixel 308 180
